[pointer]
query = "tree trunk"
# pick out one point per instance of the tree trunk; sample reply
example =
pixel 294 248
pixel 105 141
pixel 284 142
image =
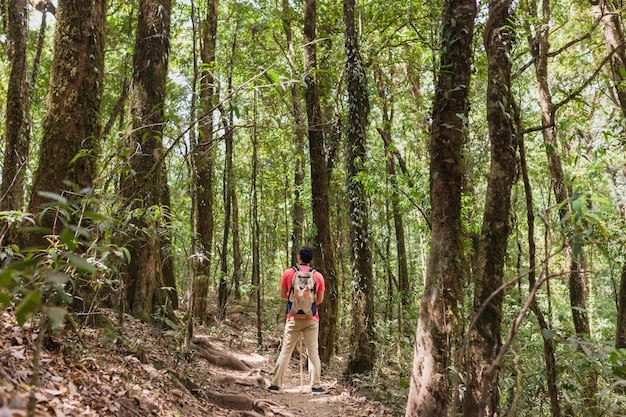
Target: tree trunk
pixel 548 343
pixel 167 246
pixel 440 324
pixel 237 260
pixel 71 129
pixel 143 189
pixel 223 283
pixel 17 127
pixel 540 48
pixel 613 35
pixel 299 136
pixel 323 258
pixel 361 358
pixel 482 394
pixel 398 221
pixel 256 256
pixel 204 162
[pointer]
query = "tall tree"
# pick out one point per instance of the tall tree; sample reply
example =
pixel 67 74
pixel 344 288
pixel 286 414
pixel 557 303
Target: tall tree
pixel 17 127
pixel 439 322
pixel 398 220
pixel 323 258
pixel 204 160
pixel 361 357
pixel 142 182
pixel 539 46
pixel 610 21
pixel 72 126
pixel 481 396
pixel 297 114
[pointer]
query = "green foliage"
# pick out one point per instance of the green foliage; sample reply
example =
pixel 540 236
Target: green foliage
pixel 43 280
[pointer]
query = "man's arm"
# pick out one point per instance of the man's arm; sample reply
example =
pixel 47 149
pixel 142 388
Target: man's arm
pixel 320 297
pixel 284 293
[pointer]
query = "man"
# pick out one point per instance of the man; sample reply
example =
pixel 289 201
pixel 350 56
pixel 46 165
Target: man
pixel 309 328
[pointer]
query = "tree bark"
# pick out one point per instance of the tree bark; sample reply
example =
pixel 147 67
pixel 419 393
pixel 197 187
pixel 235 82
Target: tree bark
pixel 482 394
pixel 204 162
pixel 227 194
pixel 71 129
pixel 17 122
pixel 361 358
pixel 440 324
pixel 142 182
pixel 323 258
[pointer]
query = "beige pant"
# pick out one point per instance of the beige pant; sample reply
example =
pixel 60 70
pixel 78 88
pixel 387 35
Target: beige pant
pixel 309 330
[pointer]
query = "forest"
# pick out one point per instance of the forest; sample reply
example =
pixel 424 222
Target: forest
pixel 458 167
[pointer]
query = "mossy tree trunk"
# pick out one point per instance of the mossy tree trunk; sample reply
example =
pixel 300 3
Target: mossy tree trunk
pixel 17 125
pixel 143 180
pixel 323 258
pixel 440 324
pixel 482 394
pixel 361 357
pixel 204 162
pixel 72 127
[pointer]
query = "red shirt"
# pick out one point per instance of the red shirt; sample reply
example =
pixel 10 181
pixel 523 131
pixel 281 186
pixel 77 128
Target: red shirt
pixel 287 279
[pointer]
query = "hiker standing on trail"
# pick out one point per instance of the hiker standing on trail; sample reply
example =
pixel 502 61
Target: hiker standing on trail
pixel 297 284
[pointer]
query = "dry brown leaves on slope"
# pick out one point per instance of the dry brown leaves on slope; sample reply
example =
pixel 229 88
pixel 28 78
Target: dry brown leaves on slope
pixel 147 373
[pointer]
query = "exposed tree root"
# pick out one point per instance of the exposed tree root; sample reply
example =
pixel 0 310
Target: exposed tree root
pixel 217 357
pixel 241 403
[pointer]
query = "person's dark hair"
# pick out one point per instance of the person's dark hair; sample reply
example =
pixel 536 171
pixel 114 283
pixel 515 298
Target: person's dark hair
pixel 306 254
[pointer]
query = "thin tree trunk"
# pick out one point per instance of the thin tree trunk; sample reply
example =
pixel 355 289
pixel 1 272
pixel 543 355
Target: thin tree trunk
pixel 256 256
pixel 223 283
pixel 362 357
pixel 482 394
pixel 237 260
pixel 204 162
pixel 17 123
pixel 615 42
pixel 143 191
pixel 167 246
pixel 548 343
pixel 540 47
pixel 323 258
pixel 299 136
pixel 440 324
pixel 385 133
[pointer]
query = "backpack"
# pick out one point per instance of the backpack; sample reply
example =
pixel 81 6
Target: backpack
pixel 302 294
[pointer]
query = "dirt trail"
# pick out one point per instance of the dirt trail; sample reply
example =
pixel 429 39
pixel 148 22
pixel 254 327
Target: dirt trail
pixel 147 373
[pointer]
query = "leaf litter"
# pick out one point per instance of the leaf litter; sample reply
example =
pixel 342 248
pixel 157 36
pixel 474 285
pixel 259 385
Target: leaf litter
pixel 146 372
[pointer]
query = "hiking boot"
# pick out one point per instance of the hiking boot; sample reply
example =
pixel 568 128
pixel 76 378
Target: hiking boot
pixel 318 391
pixel 273 389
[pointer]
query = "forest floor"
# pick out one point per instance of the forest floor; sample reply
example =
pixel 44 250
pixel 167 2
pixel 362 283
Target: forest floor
pixel 92 371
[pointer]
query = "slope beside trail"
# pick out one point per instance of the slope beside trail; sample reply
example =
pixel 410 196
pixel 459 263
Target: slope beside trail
pixel 92 371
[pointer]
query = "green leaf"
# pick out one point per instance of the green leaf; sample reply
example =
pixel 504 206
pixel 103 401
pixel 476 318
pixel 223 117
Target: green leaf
pixel 273 75
pixel 5 299
pixel 79 262
pixel 26 307
pixel 53 196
